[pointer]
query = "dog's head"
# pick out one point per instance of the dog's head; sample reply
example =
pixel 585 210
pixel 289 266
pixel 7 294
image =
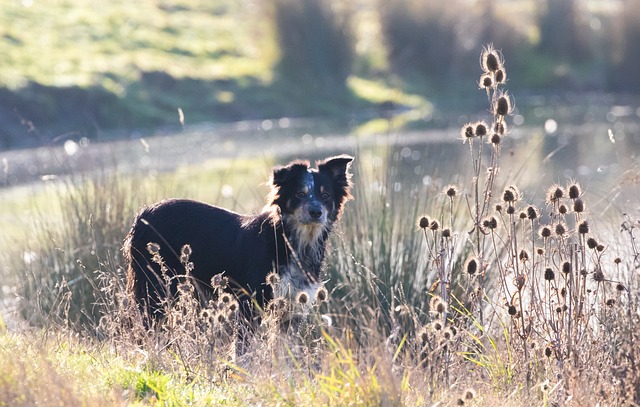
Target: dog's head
pixel 311 199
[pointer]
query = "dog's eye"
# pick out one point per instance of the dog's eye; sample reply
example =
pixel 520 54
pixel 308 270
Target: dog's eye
pixel 326 196
pixel 300 194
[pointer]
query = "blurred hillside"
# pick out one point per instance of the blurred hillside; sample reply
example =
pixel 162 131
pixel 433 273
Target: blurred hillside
pixel 101 69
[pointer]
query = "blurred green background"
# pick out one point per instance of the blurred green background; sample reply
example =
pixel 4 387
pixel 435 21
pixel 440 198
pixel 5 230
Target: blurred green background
pixel 102 69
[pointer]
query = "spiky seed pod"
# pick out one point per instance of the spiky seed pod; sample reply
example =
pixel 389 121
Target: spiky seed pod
pixel 561 229
pixel 434 225
pixel 511 210
pixel 471 266
pixel 519 281
pixel 524 256
pixel 583 272
pixel 460 402
pixel 583 227
pixel 500 76
pixel 486 81
pixel 558 310
pixel 468 131
pixel 423 334
pixel 620 287
pixel 574 191
pixel 273 279
pixel 502 105
pixel 437 325
pixel 598 275
pixel 578 205
pixel 490 59
pixel 226 298
pixel 545 232
pixel 153 248
pixel 554 193
pixel 549 274
pixel 512 310
pixel 302 298
pixel 600 247
pixel 511 194
pixel 496 139
pixel 469 394
pixel 446 233
pixel 566 267
pixel 451 191
pixel 547 352
pixel 540 251
pixel 532 212
pixel 611 302
pixel 617 260
pixel 233 307
pixel 498 208
pixel 448 334
pixel 219 281
pixel 500 127
pixel 481 129
pixel 592 243
pixel 322 294
pixel 186 250
pixel 437 305
pixel 490 223
pixel 563 292
pixel 522 215
pixel 423 222
pixel 562 209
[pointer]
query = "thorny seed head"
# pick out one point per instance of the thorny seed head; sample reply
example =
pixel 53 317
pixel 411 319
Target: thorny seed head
pixel 437 305
pixel 566 267
pixel 490 59
pixel 437 325
pixel 547 352
pixel 273 279
pixel 611 302
pixel 486 81
pixel 186 250
pixel 469 394
pixel 592 243
pixel 574 190
pixel 496 139
pixel 578 205
pixel 446 233
pixel 153 248
pixel 549 274
pixel 617 260
pixel 545 232
pixel 522 215
pixel 226 298
pixel 511 210
pixel 598 275
pixel 322 295
pixel 540 251
pixel 583 227
pixel 532 212
pixel 423 334
pixel 490 223
pixel 220 317
pixel 434 225
pixel 561 229
pixel 620 287
pixel 502 106
pixel 524 256
pixel 451 191
pixel 500 128
pixel 471 266
pixel 512 310
pixel 511 194
pixel 498 208
pixel 554 193
pixel 423 223
pixel 519 281
pixel 277 304
pixel 468 131
pixel 302 298
pixel 460 402
pixel 562 209
pixel 500 76
pixel 600 247
pixel 233 306
pixel 481 129
pixel 219 281
pixel 448 334
pixel 563 292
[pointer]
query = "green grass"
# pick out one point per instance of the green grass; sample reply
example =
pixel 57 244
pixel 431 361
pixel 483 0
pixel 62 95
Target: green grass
pixel 411 324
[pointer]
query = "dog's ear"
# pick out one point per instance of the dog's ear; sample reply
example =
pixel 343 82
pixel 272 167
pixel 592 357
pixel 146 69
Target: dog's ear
pixel 281 175
pixel 337 167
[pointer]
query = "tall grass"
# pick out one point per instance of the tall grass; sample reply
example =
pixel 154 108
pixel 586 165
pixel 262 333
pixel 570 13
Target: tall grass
pixel 442 289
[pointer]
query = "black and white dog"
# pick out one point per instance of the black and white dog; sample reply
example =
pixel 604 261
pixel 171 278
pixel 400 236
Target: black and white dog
pixel 288 237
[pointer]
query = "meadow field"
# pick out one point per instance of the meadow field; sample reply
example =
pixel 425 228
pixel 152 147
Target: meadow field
pixel 482 265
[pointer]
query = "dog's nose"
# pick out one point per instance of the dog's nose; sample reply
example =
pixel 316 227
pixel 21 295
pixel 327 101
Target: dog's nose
pixel 315 211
